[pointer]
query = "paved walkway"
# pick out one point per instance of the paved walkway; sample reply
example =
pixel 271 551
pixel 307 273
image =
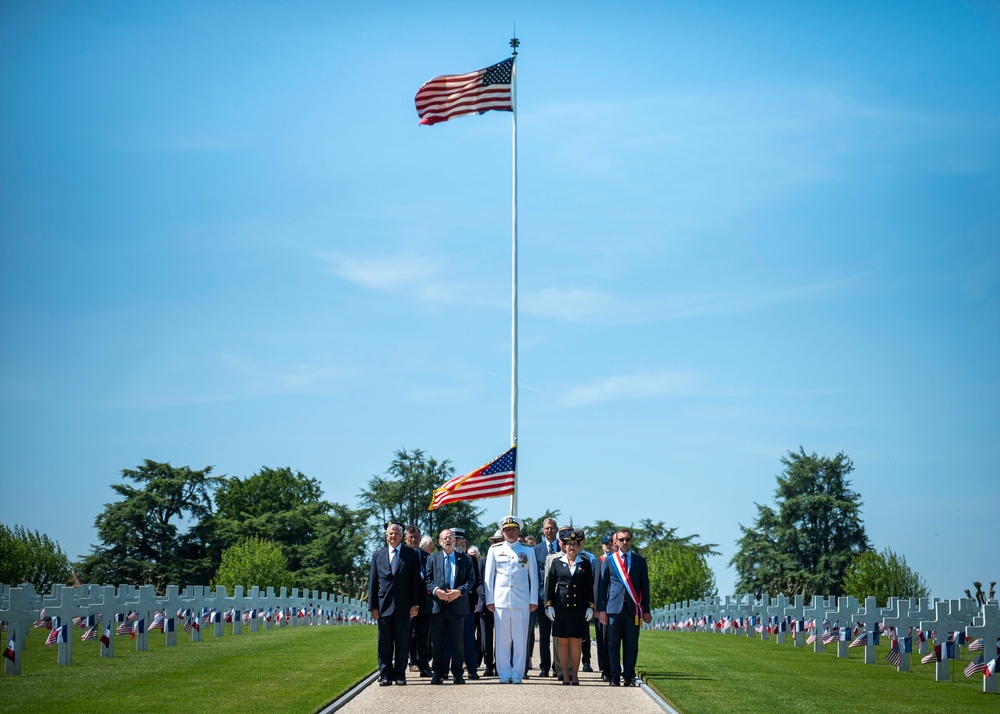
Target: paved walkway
pixel 488 695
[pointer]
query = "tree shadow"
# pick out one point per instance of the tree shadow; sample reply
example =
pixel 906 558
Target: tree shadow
pixel 663 674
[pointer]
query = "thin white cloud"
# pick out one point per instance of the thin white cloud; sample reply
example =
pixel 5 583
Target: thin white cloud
pixel 228 378
pixel 714 155
pixel 592 306
pixel 417 277
pixel 642 385
pixel 436 282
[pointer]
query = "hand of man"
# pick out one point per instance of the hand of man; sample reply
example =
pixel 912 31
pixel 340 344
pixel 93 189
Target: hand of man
pixel 532 608
pixel 490 608
pixel 374 614
pixel 602 617
pixel 414 611
pixel 647 617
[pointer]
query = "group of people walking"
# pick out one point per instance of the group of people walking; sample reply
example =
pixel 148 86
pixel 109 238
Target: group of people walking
pixel 445 612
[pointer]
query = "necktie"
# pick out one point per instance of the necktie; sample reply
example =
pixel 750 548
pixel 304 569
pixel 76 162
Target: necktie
pixel 393 560
pixel 451 572
pixel 552 547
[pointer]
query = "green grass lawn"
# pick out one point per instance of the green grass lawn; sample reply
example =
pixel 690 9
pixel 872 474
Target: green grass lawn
pixel 698 673
pixel 295 669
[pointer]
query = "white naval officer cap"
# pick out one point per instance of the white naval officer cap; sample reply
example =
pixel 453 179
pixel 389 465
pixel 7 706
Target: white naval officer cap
pixel 511 522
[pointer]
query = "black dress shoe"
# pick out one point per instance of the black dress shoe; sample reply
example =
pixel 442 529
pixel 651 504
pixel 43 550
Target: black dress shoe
pixel 459 680
pixel 526 676
pixel 426 673
pixel 401 681
pixel 544 673
pixel 605 677
pixel 490 672
pixel 629 683
pixel 384 681
pixel 587 668
pixel 473 675
pixel 615 683
pixel 575 682
pixel 565 683
pixel 435 679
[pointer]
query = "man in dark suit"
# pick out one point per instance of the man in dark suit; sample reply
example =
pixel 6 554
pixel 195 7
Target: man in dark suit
pixel 469 631
pixel 623 598
pixel 395 593
pixel 548 546
pixel 450 578
pixel 420 633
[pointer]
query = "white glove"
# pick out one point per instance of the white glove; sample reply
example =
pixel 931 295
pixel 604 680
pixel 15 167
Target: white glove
pixel 551 613
pixel 588 614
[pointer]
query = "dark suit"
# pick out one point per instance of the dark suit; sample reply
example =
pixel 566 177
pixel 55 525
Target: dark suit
pixel 542 551
pixel 420 633
pixel 484 620
pixel 448 618
pixel 600 630
pixel 469 628
pixel 393 594
pixel 623 631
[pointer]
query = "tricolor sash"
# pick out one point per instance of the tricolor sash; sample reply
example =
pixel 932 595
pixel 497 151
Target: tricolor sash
pixel 618 563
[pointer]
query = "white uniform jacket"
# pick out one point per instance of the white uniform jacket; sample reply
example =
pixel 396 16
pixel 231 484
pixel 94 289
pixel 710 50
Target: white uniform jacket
pixel 511 579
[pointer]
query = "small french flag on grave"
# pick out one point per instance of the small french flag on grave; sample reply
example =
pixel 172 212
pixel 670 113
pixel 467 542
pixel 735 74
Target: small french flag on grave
pixel 11 651
pixel 991 668
pixel 106 637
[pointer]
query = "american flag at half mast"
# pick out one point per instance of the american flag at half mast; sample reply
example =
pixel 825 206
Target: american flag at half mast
pixel 488 481
pixel 456 95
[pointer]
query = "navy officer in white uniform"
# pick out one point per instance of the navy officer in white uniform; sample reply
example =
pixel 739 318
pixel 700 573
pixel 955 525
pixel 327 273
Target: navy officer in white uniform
pixel 511 588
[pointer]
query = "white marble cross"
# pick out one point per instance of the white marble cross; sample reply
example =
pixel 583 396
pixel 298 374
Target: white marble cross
pixel 948 617
pixel 21 601
pixel 819 609
pixel 987 626
pixel 795 612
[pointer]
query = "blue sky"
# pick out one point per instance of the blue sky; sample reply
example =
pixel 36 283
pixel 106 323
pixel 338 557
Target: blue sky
pixel 743 228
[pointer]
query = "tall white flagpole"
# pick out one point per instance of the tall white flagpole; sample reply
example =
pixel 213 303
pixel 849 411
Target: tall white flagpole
pixel 513 330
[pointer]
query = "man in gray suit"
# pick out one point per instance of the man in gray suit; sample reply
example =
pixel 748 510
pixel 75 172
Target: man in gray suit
pixel 622 600
pixel 450 578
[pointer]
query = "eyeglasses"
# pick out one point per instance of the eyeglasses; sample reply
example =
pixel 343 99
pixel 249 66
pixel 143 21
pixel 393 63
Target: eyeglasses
pixel 627 539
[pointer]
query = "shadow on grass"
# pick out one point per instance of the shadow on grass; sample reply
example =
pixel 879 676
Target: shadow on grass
pixel 659 674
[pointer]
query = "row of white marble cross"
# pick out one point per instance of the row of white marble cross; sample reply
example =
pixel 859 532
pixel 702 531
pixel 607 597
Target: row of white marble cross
pixel 766 616
pixel 102 606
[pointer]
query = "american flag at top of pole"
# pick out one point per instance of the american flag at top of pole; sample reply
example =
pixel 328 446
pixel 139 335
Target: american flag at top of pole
pixel 454 95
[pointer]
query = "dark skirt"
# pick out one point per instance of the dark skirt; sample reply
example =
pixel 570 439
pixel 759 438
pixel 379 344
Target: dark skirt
pixel 569 622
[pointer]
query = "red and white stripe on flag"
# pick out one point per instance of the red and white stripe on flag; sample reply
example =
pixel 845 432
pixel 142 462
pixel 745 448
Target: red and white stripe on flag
pixel 455 95
pixel 488 481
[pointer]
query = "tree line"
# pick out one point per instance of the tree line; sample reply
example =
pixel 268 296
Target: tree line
pixel 183 526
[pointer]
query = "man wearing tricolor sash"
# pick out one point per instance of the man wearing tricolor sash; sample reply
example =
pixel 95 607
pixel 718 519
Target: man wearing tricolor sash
pixel 622 601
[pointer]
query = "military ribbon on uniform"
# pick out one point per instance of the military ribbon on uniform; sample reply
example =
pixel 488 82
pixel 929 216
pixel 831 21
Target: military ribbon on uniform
pixel 619 565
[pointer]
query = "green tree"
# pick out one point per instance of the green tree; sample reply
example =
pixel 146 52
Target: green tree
pixel 323 543
pixel 253 562
pixel 679 572
pixel 141 537
pixel 403 495
pixel 882 575
pixel 804 545
pixel 31 557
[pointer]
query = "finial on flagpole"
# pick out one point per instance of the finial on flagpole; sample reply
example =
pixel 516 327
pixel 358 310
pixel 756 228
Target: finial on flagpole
pixel 514 43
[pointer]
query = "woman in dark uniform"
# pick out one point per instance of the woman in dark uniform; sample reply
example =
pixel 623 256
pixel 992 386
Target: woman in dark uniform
pixel 569 601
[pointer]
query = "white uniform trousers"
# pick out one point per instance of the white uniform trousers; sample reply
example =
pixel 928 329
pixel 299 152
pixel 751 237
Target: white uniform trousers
pixel 511 633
